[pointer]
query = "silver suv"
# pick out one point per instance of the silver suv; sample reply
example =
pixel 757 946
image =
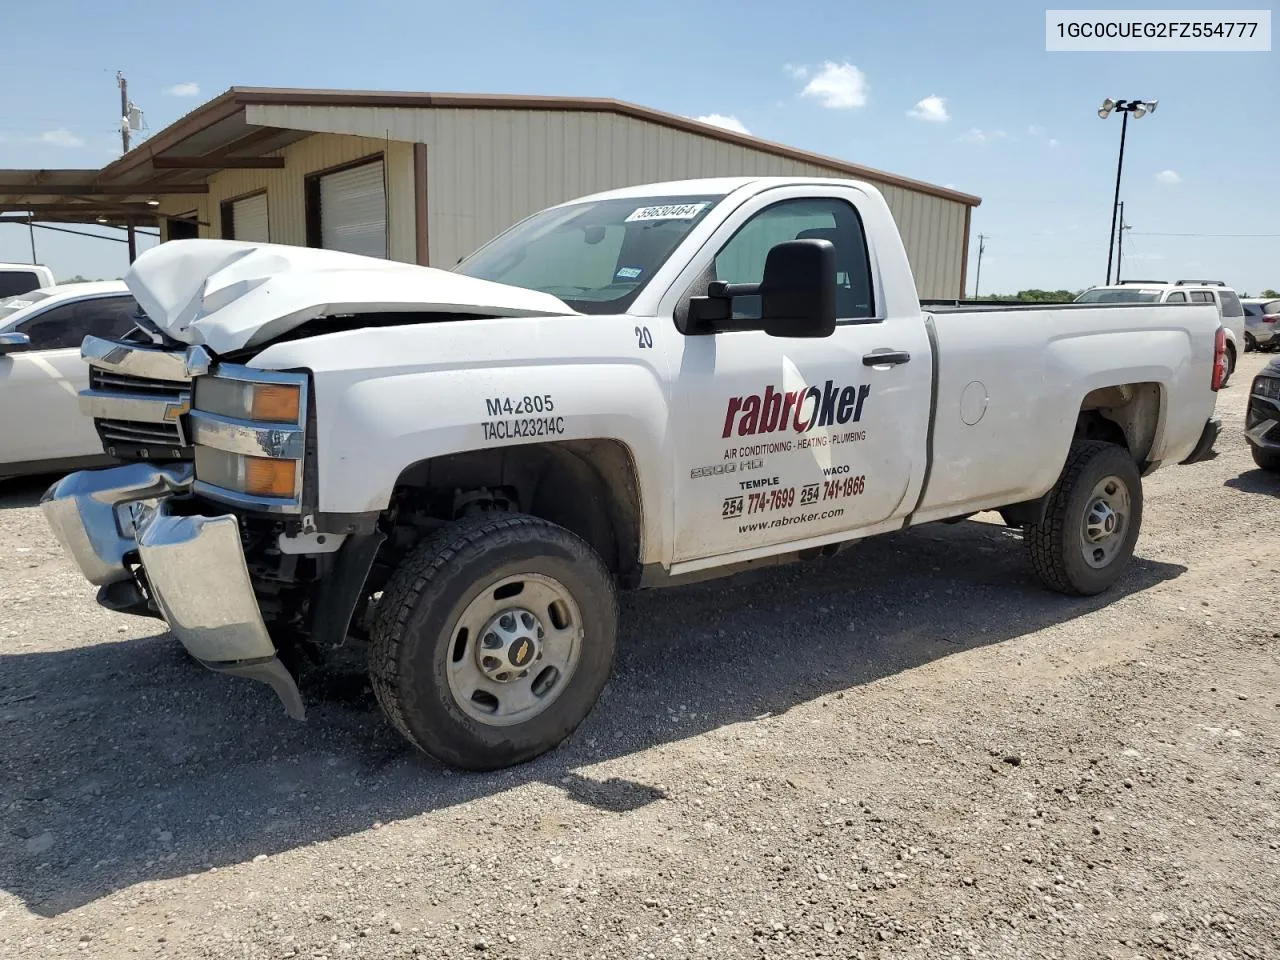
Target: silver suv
pixel 1216 292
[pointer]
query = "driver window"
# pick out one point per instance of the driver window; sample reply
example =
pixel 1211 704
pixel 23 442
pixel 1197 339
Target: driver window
pixel 742 259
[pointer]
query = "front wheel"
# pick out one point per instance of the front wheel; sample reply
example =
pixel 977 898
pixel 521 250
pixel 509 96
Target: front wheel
pixel 1266 459
pixel 1250 344
pixel 493 640
pixel 1091 522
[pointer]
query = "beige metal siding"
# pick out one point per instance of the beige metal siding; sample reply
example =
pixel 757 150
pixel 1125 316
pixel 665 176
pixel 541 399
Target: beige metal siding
pixel 488 168
pixel 285 189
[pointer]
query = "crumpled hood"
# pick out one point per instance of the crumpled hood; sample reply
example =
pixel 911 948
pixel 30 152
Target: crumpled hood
pixel 226 294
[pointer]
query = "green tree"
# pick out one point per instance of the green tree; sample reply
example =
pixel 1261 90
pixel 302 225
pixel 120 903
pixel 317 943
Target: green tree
pixel 1269 294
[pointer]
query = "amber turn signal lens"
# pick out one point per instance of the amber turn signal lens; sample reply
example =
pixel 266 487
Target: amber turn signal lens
pixel 269 478
pixel 275 401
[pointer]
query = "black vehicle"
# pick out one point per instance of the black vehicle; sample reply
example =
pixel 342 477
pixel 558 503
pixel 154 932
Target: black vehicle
pixel 1262 418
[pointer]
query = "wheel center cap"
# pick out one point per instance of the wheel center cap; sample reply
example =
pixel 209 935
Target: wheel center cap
pixel 1102 521
pixel 509 645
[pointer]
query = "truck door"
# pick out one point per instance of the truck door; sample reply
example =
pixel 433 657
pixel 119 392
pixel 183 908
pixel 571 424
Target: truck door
pixel 782 440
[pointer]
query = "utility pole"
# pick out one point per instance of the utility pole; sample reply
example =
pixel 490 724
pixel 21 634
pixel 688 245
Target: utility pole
pixel 31 229
pixel 1120 243
pixel 123 84
pixel 1139 109
pixel 977 280
pixel 1124 124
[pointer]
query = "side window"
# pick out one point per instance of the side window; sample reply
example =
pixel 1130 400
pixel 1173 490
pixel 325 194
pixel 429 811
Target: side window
pixel 66 325
pixel 55 328
pixel 1201 296
pixel 1230 304
pixel 742 259
pixel 1178 297
pixel 14 282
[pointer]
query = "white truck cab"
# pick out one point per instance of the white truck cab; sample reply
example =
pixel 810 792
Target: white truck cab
pixel 672 381
pixel 16 278
pixel 1216 292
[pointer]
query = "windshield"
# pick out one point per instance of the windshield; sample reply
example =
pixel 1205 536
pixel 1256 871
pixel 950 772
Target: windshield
pixel 594 256
pixel 1121 295
pixel 11 305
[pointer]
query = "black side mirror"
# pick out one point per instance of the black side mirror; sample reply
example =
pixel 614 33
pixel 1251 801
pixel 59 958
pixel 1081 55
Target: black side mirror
pixel 14 343
pixel 797 295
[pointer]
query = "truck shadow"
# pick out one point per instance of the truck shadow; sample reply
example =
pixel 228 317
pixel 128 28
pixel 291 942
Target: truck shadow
pixel 128 763
pixel 25 491
pixel 1256 481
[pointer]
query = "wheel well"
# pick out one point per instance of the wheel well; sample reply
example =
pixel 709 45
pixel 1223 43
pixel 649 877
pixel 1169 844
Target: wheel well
pixel 1127 414
pixel 589 487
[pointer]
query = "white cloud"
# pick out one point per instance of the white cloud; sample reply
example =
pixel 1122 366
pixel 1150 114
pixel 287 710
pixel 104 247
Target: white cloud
pixel 189 89
pixel 1053 143
pixel 729 122
pixel 1168 176
pixel 838 86
pixel 1034 131
pixel 983 136
pixel 932 108
pixel 795 71
pixel 61 137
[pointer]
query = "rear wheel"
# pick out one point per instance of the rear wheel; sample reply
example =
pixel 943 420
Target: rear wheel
pixel 1091 522
pixel 493 640
pixel 1250 343
pixel 1266 459
pixel 1231 364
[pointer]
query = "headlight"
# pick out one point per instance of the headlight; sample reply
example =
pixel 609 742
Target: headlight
pixel 1267 387
pixel 248 427
pixel 245 400
pixel 252 476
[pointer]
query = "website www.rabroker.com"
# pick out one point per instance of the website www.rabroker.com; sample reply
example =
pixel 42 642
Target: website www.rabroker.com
pixel 788 521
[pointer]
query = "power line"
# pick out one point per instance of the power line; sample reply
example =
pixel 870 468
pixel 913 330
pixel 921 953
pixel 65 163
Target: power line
pixel 1251 236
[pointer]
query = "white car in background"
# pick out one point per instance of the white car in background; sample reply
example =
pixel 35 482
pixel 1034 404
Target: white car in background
pixel 18 278
pixel 1182 291
pixel 41 373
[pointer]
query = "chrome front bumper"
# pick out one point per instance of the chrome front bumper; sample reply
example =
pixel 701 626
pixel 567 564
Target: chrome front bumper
pixel 194 566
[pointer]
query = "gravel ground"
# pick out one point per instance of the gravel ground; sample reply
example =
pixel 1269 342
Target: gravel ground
pixel 910 750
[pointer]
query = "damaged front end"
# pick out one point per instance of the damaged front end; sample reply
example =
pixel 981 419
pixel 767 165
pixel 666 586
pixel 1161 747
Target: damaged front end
pixel 205 525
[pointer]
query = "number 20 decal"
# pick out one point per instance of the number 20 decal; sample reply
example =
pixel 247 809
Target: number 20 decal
pixel 644 337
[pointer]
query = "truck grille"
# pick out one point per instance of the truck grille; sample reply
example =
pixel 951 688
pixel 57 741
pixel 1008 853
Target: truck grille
pixel 138 417
pixel 114 432
pixel 127 383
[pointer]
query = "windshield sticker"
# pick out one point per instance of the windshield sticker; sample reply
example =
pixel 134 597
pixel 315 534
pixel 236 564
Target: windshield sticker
pixel 671 211
pixel 628 273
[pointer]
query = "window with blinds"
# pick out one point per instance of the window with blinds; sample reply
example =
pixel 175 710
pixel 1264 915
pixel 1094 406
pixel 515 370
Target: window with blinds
pixel 246 219
pixel 347 210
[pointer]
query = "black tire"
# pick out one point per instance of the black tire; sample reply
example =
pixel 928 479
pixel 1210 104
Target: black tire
pixel 1249 343
pixel 413 636
pixel 1057 544
pixel 1231 365
pixel 1266 459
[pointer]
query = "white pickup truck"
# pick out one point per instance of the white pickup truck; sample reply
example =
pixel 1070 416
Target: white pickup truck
pixel 638 388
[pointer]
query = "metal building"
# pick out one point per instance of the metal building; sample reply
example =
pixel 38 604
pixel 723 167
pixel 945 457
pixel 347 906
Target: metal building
pixel 427 178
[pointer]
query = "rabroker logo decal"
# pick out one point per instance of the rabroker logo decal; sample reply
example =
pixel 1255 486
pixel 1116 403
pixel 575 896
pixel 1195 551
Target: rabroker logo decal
pixel 798 410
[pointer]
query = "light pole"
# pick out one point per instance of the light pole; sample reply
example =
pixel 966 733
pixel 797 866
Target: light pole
pixel 1139 109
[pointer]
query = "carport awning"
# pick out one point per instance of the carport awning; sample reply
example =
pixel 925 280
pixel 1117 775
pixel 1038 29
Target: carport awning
pixel 81 196
pixel 175 162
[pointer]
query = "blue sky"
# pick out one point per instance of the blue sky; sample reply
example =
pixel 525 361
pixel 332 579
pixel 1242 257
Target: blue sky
pixel 1020 127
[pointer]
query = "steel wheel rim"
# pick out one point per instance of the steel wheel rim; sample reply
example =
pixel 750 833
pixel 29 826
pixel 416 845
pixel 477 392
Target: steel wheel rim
pixel 514 649
pixel 1105 522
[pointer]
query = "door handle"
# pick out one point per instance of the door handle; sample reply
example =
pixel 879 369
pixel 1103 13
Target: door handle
pixel 877 358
